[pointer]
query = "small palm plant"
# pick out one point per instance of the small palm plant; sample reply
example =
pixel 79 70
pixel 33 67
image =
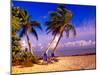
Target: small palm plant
pixel 26 25
pixel 59 22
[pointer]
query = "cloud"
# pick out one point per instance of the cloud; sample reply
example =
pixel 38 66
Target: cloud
pixel 80 43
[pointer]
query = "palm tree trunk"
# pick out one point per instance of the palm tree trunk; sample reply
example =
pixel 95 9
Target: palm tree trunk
pixel 57 42
pixel 59 37
pixel 29 44
pixel 50 44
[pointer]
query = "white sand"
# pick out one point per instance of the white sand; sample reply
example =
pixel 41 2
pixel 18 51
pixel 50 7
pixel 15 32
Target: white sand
pixel 64 63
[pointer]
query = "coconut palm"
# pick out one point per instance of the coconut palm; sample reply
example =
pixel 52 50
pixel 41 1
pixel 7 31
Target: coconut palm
pixel 26 26
pixel 58 23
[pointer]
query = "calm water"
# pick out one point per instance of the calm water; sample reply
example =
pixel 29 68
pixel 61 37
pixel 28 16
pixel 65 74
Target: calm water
pixel 67 52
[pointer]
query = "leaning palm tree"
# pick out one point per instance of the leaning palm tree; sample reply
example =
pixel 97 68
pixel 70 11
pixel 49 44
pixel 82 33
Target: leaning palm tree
pixel 26 26
pixel 59 22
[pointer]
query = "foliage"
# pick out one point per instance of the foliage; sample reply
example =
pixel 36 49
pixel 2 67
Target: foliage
pixel 16 46
pixel 59 22
pixel 26 25
pixel 21 21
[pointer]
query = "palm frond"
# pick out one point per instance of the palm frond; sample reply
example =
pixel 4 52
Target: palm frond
pixel 33 31
pixel 67 32
pixel 26 15
pixel 62 9
pixel 50 30
pixel 22 32
pixel 65 13
pixel 47 23
pixel 15 22
pixel 54 16
pixel 69 28
pixel 36 24
pixel 74 31
pixel 56 31
pixel 54 25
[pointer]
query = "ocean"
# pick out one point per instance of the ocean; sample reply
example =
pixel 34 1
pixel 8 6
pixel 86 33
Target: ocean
pixel 68 52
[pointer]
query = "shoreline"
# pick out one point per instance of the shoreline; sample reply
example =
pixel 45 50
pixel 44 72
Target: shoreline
pixel 66 63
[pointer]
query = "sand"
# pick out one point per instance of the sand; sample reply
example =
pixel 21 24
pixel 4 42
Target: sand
pixel 64 64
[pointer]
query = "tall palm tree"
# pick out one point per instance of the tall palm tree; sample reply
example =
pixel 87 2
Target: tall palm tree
pixel 26 26
pixel 59 22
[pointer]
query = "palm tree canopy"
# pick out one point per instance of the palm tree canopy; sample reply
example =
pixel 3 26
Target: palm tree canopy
pixel 58 19
pixel 26 24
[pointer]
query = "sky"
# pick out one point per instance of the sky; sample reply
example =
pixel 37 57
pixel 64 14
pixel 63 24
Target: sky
pixel 84 20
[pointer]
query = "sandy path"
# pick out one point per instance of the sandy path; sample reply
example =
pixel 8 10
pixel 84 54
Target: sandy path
pixel 65 63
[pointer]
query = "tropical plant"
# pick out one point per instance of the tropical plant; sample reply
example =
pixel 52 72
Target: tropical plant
pixel 16 46
pixel 59 22
pixel 26 26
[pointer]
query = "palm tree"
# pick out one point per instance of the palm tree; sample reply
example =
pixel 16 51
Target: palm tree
pixel 26 26
pixel 59 22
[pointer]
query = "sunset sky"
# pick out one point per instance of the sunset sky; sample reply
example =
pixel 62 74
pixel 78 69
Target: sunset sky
pixel 84 20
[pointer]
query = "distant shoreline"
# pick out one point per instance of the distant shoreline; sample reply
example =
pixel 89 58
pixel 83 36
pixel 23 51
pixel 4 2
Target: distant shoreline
pixel 73 55
pixel 83 54
pixel 62 53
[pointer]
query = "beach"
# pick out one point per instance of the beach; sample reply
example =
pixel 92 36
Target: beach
pixel 64 64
